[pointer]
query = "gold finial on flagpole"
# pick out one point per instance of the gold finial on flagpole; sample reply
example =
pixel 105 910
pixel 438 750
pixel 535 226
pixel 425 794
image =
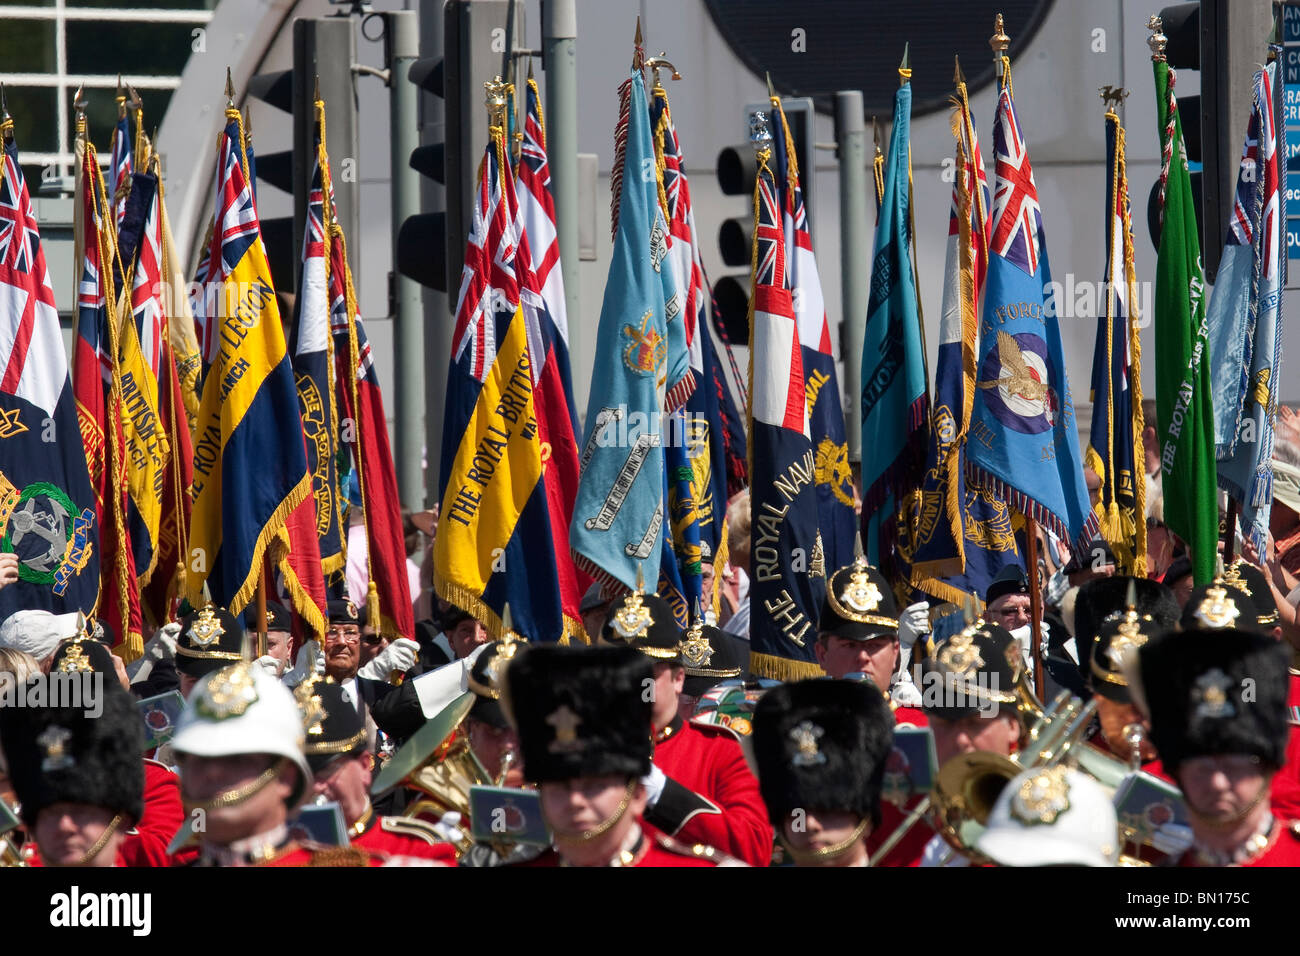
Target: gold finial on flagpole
pixel 496 101
pixel 230 90
pixel 1157 41
pixel 999 41
pixel 638 55
pixel 657 63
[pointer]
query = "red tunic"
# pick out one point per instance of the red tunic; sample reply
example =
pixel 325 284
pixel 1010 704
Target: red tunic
pixel 1283 849
pixel 398 836
pixel 908 851
pixel 145 844
pixel 659 851
pixel 707 759
pixel 1285 798
pixel 1153 767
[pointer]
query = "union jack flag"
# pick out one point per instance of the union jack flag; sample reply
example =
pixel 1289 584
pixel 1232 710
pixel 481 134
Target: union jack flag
pixel 488 270
pixel 121 166
pixel 778 361
pixel 146 292
pixel 32 355
pixel 1016 215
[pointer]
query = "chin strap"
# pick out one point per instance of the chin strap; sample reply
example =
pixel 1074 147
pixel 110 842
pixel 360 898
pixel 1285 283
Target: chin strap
pixel 231 798
pixel 1230 821
pixel 582 836
pixel 102 842
pixel 828 853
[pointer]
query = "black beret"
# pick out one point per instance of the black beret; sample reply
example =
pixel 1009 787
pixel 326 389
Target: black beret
pixel 278 617
pixel 343 612
pixel 1010 580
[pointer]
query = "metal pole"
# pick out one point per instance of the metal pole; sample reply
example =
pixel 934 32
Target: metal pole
pixel 559 53
pixel 854 254
pixel 401 49
pixel 321 45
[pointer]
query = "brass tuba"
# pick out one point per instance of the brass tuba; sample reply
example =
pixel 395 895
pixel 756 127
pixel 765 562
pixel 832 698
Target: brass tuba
pixel 438 762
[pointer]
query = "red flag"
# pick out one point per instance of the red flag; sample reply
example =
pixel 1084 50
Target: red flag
pixel 98 392
pixel 388 600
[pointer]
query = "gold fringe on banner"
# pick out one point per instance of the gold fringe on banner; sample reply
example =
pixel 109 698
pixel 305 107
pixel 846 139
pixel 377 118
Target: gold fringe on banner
pixel 782 668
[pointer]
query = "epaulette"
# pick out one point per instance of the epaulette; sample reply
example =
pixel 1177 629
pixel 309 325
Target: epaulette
pixel 411 827
pixel 717 730
pixel 699 851
pixel 159 763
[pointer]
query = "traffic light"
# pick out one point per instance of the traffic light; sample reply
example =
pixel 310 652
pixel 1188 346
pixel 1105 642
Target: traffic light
pixel 422 237
pixel 737 170
pixel 319 46
pixel 275 169
pixel 1226 51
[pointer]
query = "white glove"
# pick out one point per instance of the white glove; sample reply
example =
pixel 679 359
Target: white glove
pixel 913 622
pixel 654 783
pixel 449 829
pixel 304 664
pixel 1172 838
pixel 400 655
pixel 271 664
pixel 904 693
pixel 160 647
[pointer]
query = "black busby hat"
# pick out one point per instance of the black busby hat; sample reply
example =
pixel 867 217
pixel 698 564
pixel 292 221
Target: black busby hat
pixel 968 671
pixel 859 604
pixel 1010 580
pixel 1120 635
pixel 712 656
pixel 63 755
pixel 485 680
pixel 211 638
pixel 83 655
pixel 580 712
pixel 1250 580
pixel 1219 605
pixel 278 617
pixel 331 722
pixel 1211 692
pixel 1100 598
pixel 822 745
pixel 343 611
pixel 644 622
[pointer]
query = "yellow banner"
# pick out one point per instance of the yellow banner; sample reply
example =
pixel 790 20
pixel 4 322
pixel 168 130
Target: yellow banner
pixel 251 345
pixel 147 449
pixel 497 466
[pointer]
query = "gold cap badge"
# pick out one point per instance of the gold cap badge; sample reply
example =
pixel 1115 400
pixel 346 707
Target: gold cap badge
pixel 805 736
pixel 228 693
pixel 206 629
pixel 1043 797
pixel 54 741
pixel 1216 609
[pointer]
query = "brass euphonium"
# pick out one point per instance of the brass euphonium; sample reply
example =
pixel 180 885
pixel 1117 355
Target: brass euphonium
pixel 11 853
pixel 968 785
